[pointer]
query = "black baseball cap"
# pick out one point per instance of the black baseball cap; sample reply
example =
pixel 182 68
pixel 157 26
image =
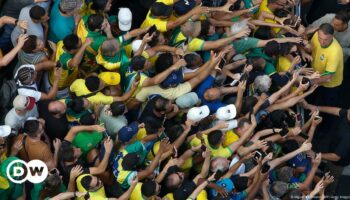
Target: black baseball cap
pixel 160 9
pixel 130 161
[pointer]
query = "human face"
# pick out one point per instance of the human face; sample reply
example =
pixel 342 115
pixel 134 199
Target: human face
pixel 324 39
pixel 95 184
pixel 212 94
pixel 221 163
pixel 39 45
pixel 211 30
pixel 77 152
pixel 338 25
pixel 178 178
pixel 2 144
pixel 161 39
pixel 45 18
pixel 243 129
pixel 57 107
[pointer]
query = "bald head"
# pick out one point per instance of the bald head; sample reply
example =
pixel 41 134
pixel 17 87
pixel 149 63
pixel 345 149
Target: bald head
pixel 57 107
pixel 110 48
pixel 212 94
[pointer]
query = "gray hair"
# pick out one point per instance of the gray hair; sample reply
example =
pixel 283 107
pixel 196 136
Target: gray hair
pixel 262 83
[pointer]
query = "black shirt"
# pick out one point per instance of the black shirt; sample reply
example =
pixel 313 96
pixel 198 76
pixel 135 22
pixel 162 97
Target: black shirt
pixel 54 127
pixel 340 143
pixel 148 111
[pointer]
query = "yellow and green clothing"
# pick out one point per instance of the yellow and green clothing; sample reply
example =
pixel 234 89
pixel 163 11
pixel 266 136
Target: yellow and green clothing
pixel 124 177
pixel 264 8
pixel 194 44
pixel 68 74
pixel 9 190
pixel 328 60
pixel 220 151
pixel 270 62
pixel 70 114
pixel 115 62
pixel 161 24
pixel 283 64
pixel 100 194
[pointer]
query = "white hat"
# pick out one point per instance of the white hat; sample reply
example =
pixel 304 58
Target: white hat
pixel 226 113
pixel 196 114
pixel 5 130
pixel 230 125
pixel 125 19
pixel 136 45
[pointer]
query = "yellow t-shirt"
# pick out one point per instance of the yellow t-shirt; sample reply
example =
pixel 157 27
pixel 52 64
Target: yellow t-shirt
pixel 80 89
pixel 68 74
pixel 195 44
pixel 328 60
pixel 230 137
pixel 160 23
pixel 100 194
pixel 220 151
pixel 283 64
pixel 264 8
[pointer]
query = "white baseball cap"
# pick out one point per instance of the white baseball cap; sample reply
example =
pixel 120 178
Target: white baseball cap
pixel 5 130
pixel 226 113
pixel 125 19
pixel 196 114
pixel 231 124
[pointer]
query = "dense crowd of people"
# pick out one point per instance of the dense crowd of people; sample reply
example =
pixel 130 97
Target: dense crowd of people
pixel 202 99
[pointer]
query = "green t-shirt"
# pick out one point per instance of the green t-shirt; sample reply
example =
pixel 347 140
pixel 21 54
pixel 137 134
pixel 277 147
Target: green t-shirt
pixel 35 192
pixel 270 62
pixel 87 140
pixel 245 44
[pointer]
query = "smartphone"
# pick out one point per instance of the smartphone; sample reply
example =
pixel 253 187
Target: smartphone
pixel 244 77
pixel 305 80
pixel 299 117
pixel 218 174
pixel 104 132
pixel 265 168
pixel 203 148
pixel 87 196
pixel 318 117
pixel 257 156
pixel 152 30
pixel 283 132
pixel 58 65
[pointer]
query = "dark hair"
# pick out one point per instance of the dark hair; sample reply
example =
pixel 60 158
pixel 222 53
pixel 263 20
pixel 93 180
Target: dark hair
pixel 289 146
pixel 71 42
pixel 92 83
pixel 30 44
pixel 160 104
pixel 241 183
pixel 159 9
pixel 99 5
pixel 31 127
pixel 25 74
pixel 191 60
pixel 66 153
pixel 95 22
pixel 242 122
pixel 264 33
pixel 149 188
pixel 205 26
pixel 272 48
pixel 205 123
pixel 256 63
pixel 37 12
pixel 117 108
pixel 86 181
pixel 77 105
pixel 236 5
pixel 164 61
pixel 281 13
pixel 248 103
pixel 174 132
pixel 152 125
pixel 214 137
pixel 138 63
pixel 343 16
pixel 87 119
pixel 51 186
pixel 327 29
pixel 155 39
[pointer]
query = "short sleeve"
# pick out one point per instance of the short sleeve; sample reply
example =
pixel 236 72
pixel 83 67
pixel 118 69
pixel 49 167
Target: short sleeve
pixel 100 98
pixel 166 2
pixel 64 60
pixel 269 69
pixel 195 142
pixel 196 45
pixel 31 93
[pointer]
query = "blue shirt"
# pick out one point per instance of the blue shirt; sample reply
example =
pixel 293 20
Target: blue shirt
pixel 207 84
pixel 60 26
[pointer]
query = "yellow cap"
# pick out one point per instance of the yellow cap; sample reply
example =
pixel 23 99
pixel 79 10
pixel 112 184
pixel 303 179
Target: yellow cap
pixel 110 78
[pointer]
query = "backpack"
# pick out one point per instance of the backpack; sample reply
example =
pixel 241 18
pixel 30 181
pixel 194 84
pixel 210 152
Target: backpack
pixel 8 93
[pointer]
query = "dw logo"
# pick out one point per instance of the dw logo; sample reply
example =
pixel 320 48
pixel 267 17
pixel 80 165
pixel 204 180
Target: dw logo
pixel 34 171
